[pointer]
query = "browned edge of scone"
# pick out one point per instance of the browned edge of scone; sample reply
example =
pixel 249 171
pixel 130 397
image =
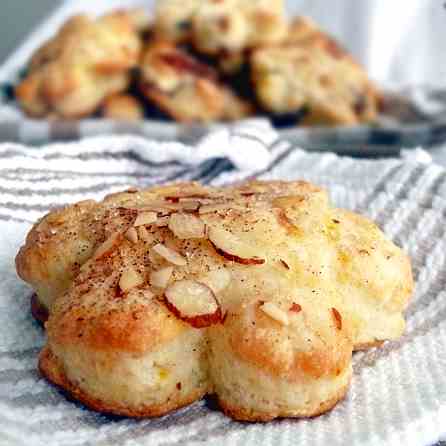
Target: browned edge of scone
pixel 38 311
pixel 51 370
pixel 241 414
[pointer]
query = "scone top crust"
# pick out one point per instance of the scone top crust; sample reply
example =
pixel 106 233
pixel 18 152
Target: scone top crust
pixel 271 250
pixel 222 25
pixel 310 70
pixel 87 60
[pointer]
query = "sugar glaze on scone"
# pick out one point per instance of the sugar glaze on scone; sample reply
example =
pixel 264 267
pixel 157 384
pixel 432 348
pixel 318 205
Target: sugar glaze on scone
pixel 258 293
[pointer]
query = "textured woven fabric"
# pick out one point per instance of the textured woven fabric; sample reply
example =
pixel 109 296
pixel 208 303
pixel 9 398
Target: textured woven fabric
pixel 398 395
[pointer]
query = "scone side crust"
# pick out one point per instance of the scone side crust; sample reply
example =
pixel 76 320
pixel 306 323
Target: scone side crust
pixel 51 370
pixel 241 414
pixel 38 310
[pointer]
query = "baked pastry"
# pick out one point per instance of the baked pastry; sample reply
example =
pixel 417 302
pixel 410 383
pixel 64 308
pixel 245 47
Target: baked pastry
pixel 214 26
pixel 185 88
pixel 311 72
pixel 86 61
pixel 122 106
pixel 257 293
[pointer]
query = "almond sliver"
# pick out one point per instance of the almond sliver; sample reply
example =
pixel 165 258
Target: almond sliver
pixel 107 246
pixel 161 278
pixel 130 278
pixel 186 226
pixel 194 303
pixel 232 248
pixel 217 279
pixel 169 254
pixel 131 235
pixel 275 312
pixel 145 218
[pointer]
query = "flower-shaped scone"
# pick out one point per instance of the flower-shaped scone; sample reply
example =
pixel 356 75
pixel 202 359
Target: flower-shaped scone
pixel 309 72
pixel 86 61
pixel 186 89
pixel 257 293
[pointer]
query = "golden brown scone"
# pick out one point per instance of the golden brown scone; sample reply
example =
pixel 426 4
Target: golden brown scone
pixel 223 25
pixel 258 293
pixel 86 61
pixel 310 71
pixel 122 106
pixel 186 89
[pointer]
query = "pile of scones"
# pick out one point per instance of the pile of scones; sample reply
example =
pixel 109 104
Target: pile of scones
pixel 198 61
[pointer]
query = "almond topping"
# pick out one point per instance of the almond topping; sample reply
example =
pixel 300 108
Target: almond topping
pixel 295 308
pixel 285 221
pixel 130 278
pixel 189 206
pixel 232 248
pixel 170 255
pixel 108 246
pixel 131 235
pixel 145 218
pixel 186 226
pixel 217 279
pixel 145 235
pixel 274 312
pixel 284 264
pixel 337 318
pixel 194 303
pixel 161 278
pixel 162 221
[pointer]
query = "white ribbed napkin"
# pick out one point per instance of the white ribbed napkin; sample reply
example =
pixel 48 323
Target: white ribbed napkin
pixel 398 395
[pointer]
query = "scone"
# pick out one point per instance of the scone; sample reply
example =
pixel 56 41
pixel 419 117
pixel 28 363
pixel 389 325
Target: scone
pixel 223 25
pixel 258 293
pixel 85 62
pixel 186 89
pixel 122 106
pixel 310 72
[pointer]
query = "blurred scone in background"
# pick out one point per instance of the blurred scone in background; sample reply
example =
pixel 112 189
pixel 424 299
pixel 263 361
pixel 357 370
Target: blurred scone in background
pixel 400 43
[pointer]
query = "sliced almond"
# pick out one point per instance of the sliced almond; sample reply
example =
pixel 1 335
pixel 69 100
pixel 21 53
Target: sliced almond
pixel 194 303
pixel 284 264
pixel 161 278
pixel 275 312
pixel 186 226
pixel 130 278
pixel 162 221
pixel 337 318
pixel 217 279
pixel 177 198
pixel 145 235
pixel 232 248
pixel 131 235
pixel 145 218
pixel 285 221
pixel 107 246
pixel 169 254
pixel 189 206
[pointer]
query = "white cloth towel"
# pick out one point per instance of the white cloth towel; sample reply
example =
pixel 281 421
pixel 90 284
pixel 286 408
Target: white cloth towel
pixel 398 394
